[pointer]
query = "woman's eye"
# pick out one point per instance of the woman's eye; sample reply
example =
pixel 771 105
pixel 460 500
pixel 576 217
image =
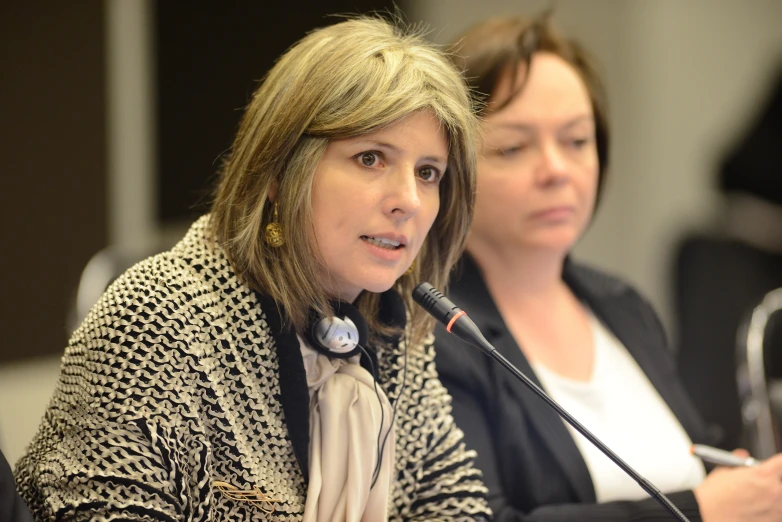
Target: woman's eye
pixel 369 159
pixel 430 174
pixel 580 143
pixel 510 151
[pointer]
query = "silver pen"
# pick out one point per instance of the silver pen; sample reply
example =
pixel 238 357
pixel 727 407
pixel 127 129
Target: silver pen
pixel 721 457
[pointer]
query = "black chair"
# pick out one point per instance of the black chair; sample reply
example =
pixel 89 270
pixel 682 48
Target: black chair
pixel 100 271
pixel 718 283
pixel 12 507
pixel 759 382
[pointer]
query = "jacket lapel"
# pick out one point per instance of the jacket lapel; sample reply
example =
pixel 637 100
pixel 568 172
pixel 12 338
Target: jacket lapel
pixel 643 337
pixel 294 394
pixel 471 291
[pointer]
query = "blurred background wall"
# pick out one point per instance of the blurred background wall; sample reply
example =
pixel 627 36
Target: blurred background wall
pixel 115 113
pixel 684 78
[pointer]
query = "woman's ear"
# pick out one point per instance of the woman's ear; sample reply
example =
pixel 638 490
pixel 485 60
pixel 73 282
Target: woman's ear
pixel 272 194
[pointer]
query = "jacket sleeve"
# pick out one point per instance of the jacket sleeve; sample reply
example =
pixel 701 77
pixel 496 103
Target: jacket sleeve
pixel 647 510
pixel 463 371
pixel 115 442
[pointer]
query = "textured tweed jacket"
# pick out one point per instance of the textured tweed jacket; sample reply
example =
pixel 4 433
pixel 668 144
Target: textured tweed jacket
pixel 181 378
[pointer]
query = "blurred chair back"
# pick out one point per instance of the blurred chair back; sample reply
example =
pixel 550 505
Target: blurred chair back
pixel 758 379
pixel 718 281
pixel 100 271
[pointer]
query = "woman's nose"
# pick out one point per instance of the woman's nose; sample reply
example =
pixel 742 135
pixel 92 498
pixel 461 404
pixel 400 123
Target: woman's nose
pixel 404 196
pixel 553 167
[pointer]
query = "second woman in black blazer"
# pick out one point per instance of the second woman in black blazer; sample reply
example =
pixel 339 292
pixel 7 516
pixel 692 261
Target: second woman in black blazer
pixel 583 335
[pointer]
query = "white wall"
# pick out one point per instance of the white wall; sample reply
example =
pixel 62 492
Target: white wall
pixel 683 78
pixel 25 389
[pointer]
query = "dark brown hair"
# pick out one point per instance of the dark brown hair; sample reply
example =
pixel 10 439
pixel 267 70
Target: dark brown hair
pixel 489 50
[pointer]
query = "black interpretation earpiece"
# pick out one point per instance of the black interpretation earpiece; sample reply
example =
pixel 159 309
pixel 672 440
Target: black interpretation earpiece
pixel 340 336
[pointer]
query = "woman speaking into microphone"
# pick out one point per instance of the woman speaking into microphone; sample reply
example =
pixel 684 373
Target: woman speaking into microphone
pixel 271 366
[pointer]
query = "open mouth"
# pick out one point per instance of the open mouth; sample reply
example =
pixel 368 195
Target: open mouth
pixel 382 242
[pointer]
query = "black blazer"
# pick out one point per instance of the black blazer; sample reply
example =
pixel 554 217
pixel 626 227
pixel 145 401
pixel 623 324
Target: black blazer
pixel 12 507
pixel 531 464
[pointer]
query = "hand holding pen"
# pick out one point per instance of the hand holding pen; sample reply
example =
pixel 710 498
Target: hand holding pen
pixel 740 488
pixel 721 457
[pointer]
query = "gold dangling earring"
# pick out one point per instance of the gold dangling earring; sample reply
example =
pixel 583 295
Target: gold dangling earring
pixel 410 269
pixel 273 233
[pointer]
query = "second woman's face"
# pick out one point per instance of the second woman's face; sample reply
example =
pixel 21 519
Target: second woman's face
pixel 374 199
pixel 538 168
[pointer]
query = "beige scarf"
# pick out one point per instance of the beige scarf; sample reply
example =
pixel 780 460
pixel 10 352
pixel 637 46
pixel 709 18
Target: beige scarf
pixel 344 426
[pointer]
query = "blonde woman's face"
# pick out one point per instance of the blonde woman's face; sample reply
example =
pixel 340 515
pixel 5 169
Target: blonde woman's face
pixel 538 167
pixel 374 199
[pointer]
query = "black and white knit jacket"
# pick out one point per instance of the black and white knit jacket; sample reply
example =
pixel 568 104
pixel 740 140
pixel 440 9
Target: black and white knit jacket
pixel 181 377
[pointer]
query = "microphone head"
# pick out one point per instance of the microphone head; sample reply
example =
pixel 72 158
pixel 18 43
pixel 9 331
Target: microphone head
pixel 450 315
pixel 425 294
pixel 434 302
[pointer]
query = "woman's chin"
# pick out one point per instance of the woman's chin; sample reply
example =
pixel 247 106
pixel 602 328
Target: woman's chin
pixel 561 244
pixel 378 287
pixel 381 282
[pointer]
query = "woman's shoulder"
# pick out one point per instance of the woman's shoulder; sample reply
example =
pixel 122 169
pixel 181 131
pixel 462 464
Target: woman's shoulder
pixel 191 284
pixel 169 311
pixel 595 279
pixel 610 296
pixel 598 284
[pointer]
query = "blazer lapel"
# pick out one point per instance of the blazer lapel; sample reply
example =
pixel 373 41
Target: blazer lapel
pixel 472 290
pixel 546 421
pixel 644 340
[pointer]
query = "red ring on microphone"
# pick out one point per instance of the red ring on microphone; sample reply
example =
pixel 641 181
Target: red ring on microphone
pixel 453 320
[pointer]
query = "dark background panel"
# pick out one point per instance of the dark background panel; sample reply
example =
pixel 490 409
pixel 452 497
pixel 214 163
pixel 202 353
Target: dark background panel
pixel 210 57
pixel 52 153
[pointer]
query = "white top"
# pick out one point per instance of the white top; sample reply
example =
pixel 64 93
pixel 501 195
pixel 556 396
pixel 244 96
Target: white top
pixel 622 408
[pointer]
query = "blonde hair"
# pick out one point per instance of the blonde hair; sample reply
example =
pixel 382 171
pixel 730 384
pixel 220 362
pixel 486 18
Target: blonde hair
pixel 345 80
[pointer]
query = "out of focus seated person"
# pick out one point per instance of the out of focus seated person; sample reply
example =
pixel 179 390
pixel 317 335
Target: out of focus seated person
pixel 590 340
pixel 721 274
pixel 12 507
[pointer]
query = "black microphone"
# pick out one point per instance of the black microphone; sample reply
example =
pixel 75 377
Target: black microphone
pixel 457 323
